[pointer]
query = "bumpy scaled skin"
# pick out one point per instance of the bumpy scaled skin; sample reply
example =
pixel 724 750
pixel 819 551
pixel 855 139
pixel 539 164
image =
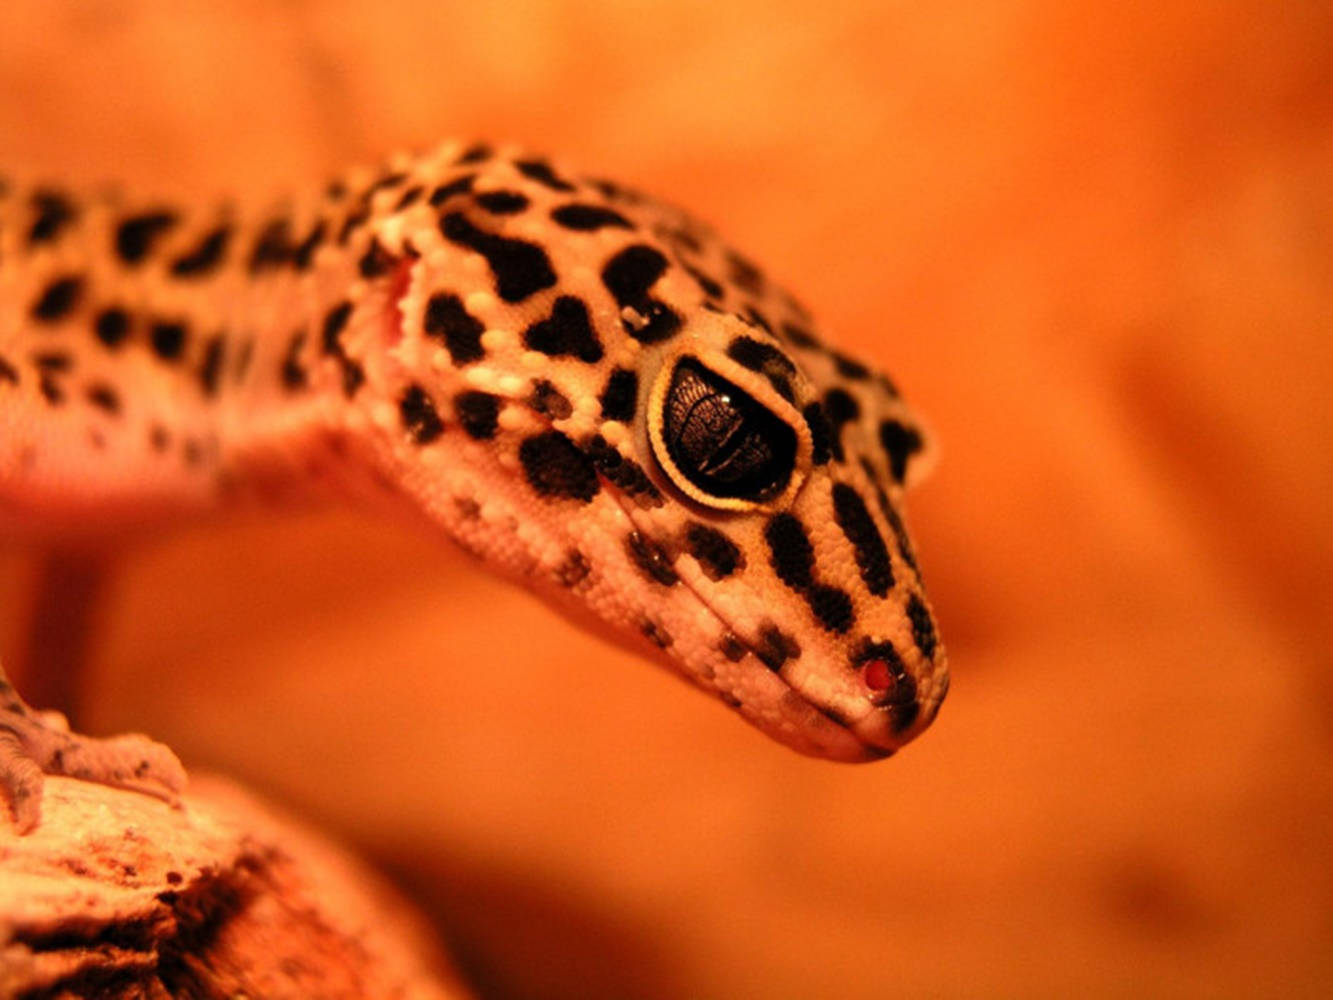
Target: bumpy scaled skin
pixel 583 386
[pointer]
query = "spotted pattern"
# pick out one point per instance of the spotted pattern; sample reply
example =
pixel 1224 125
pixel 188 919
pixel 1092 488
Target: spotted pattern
pixel 520 268
pixel 422 423
pixel 872 556
pixel 718 556
pixel 473 316
pixel 567 332
pixel 447 319
pixel 135 236
pixel 478 414
pixel 793 559
pixel 629 276
pixel 556 467
pixel 620 395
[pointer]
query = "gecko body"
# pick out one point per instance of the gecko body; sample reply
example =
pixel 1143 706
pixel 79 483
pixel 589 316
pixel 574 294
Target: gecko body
pixel 581 385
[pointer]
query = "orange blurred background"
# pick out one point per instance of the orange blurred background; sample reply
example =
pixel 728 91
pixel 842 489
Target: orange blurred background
pixel 1094 242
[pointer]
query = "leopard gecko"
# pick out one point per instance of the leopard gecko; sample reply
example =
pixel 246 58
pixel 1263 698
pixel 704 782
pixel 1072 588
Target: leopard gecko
pixel 583 386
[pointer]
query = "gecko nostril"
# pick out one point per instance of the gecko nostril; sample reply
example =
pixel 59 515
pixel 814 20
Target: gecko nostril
pixel 878 676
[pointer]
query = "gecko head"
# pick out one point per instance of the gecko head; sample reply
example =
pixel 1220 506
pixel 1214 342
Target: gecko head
pixel 652 438
pixel 782 526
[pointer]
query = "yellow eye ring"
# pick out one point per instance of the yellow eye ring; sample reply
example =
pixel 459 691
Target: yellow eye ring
pixel 723 436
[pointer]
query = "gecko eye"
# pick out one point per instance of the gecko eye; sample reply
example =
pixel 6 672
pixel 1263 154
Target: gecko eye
pixel 720 440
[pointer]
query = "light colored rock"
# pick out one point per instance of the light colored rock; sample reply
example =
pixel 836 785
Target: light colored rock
pixel 119 895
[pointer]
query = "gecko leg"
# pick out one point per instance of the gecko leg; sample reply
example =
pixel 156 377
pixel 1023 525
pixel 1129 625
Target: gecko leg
pixel 52 663
pixel 34 744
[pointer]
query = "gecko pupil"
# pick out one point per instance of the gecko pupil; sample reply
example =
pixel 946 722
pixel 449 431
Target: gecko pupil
pixel 721 440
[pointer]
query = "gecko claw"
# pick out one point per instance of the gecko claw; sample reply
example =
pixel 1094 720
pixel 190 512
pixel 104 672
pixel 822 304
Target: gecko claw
pixel 35 744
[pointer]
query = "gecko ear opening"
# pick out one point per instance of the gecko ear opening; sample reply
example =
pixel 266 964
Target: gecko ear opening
pixel 716 442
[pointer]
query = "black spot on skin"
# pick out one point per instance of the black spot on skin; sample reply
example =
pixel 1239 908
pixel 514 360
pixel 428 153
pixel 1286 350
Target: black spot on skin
pixel 588 218
pixel 620 396
pixel 136 235
pixel 556 467
pixel 520 268
pixel 800 336
pixel 353 375
pixel 210 370
pixel 192 451
pixel 651 559
pixel 831 606
pixel 50 391
pixel 158 438
pixel 718 556
pixel 206 255
pixel 707 285
pixel 629 276
pixel 758 356
pixel 304 252
pixel 53 361
pixel 681 238
pixel 51 365
pixel 624 473
pixel 479 414
pixel 335 321
pixel 849 367
pixel 104 398
pixel 793 560
pixel 475 154
pixel 790 551
pixel 731 647
pixel 422 423
pixel 744 274
pixel 53 213
pixel 549 401
pixel 900 699
pixel 461 332
pixel 899 531
pixel 776 647
pixel 567 332
pixel 821 434
pixel 292 372
pixel 8 373
pixel 541 172
pixel 872 557
pixel 273 247
pixel 900 443
pixel 444 192
pixel 655 634
pixel 841 408
pixel 384 183
pixel 375 261
pixel 574 570
pixel 923 628
pixel 503 202
pixel 767 360
pixel 631 273
pixel 168 339
pixel 409 197
pixel 58 299
pixel 611 190
pixel 112 326
pixel 356 218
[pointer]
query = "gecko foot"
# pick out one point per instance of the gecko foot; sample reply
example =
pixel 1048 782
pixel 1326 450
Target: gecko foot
pixel 34 744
